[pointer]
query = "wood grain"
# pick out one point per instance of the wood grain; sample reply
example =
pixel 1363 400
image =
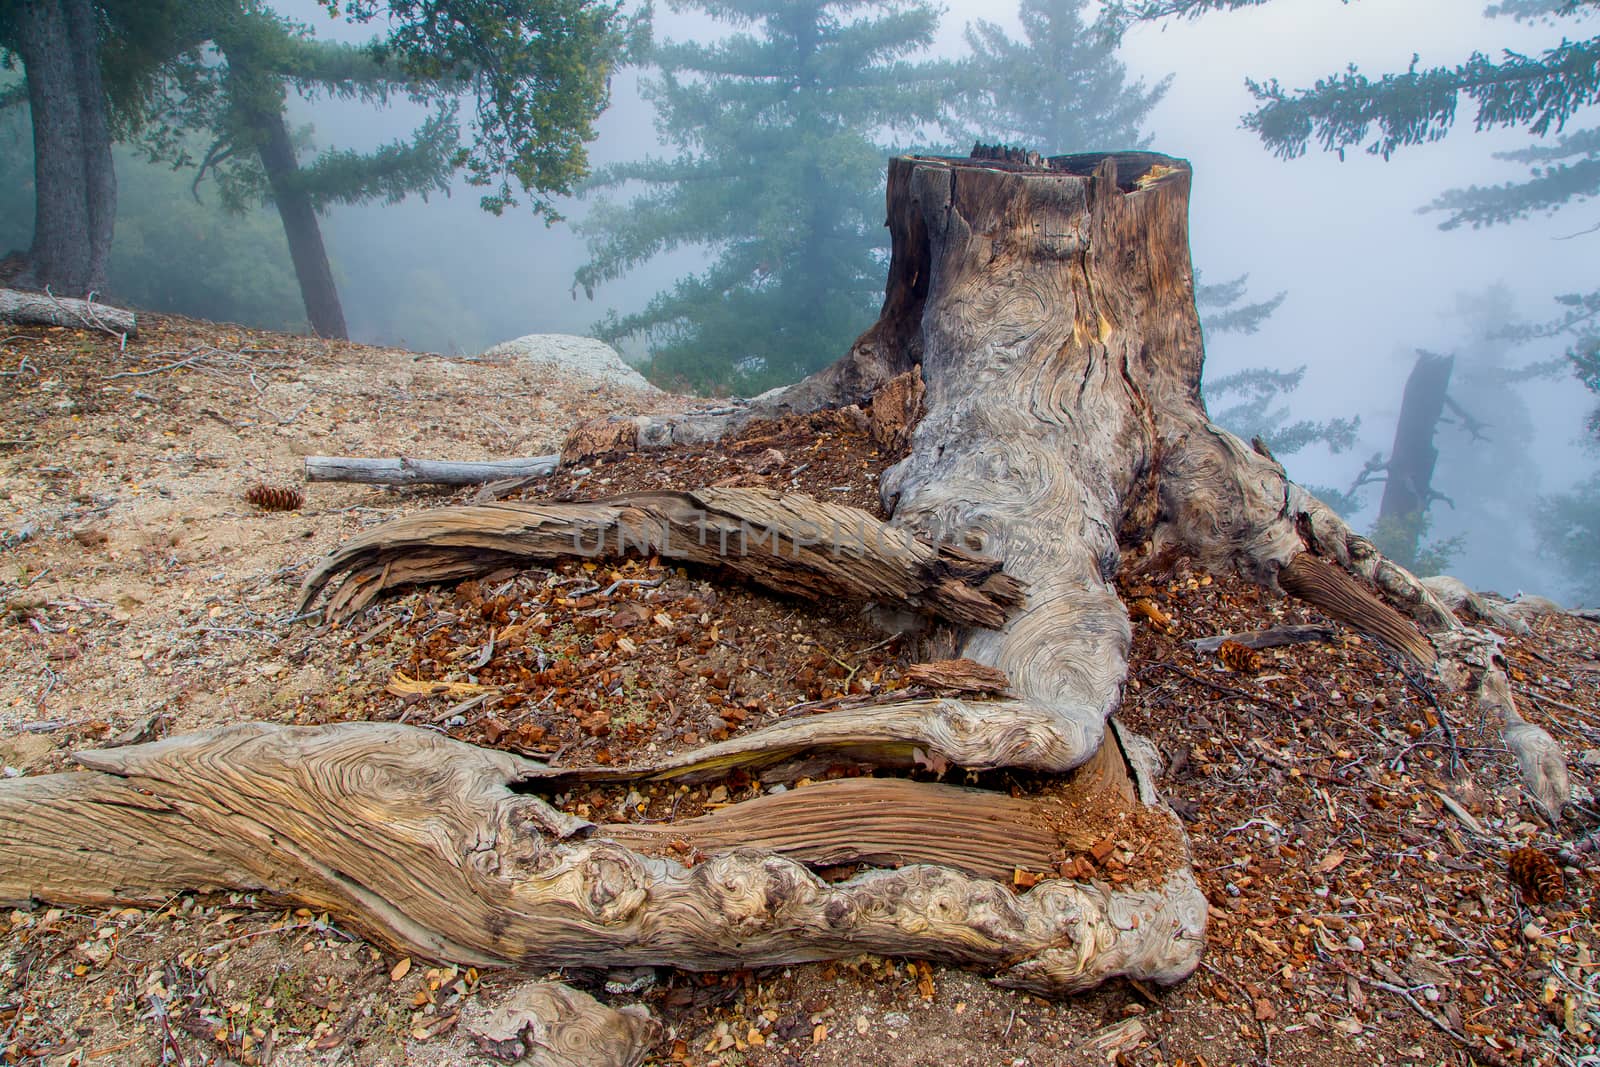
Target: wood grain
pixel 787 542
pixel 437 848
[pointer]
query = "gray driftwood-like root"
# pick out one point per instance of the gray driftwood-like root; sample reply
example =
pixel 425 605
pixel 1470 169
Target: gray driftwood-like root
pixel 435 847
pixel 784 541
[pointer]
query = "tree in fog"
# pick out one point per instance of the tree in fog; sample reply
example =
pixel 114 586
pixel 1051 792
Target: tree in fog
pixel 87 67
pixel 777 171
pixel 537 72
pixel 1059 88
pixel 533 74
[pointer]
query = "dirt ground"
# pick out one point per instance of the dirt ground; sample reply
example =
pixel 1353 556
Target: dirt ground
pixel 1356 918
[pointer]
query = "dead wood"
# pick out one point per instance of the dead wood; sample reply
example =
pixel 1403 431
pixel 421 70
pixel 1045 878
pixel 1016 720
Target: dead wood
pixel 1335 592
pixel 1275 637
pixel 42 309
pixel 403 470
pixel 782 541
pixel 440 849
pixel 958 676
pixel 884 822
pixel 547 1024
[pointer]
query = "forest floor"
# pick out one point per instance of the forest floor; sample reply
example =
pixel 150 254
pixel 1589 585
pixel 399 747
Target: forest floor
pixel 1356 917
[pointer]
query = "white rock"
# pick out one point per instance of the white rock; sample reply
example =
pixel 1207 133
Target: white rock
pixel 572 355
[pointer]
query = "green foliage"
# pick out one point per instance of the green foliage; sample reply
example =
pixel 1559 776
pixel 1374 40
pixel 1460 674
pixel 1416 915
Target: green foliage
pixel 1401 538
pixel 778 173
pixel 178 254
pixel 1252 410
pixel 1059 89
pixel 1568 525
pixel 1221 311
pixel 1253 414
pixel 538 74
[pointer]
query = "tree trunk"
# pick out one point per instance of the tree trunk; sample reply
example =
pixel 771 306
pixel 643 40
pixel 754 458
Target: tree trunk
pixel 300 225
pixel 1049 307
pixel 257 99
pixel 75 193
pixel 1408 485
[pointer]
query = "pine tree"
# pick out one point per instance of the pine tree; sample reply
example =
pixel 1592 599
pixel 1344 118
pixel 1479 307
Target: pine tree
pixel 1058 89
pixel 778 174
pixel 534 73
pixel 1251 402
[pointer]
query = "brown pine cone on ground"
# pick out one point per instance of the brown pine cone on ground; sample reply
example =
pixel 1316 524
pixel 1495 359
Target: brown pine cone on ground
pixel 1537 876
pixel 1241 659
pixel 275 497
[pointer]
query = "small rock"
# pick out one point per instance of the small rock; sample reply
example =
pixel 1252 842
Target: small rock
pixel 25 752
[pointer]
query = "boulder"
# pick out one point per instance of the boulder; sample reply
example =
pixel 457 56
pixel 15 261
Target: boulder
pixel 573 355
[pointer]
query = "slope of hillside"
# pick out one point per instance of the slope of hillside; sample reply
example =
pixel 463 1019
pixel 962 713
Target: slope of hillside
pixel 1354 855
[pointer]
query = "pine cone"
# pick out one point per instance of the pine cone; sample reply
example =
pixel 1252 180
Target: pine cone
pixel 275 497
pixel 1241 659
pixel 1536 875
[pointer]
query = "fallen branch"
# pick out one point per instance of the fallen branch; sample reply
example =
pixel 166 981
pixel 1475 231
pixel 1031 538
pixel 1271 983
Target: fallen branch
pixel 1276 637
pixel 43 309
pixel 403 470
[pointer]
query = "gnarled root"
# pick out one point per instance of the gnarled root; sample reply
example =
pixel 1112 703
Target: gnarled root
pixel 436 848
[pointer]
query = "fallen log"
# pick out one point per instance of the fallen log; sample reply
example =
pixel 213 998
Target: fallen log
pixel 23 308
pixel 404 470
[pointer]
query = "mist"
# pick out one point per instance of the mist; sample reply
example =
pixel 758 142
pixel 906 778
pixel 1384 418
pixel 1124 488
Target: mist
pixel 1369 279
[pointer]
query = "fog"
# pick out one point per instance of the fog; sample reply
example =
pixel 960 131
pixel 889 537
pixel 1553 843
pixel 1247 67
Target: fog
pixel 1369 280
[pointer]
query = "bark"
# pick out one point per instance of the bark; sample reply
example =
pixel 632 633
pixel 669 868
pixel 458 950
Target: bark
pixel 36 309
pixel 1408 484
pixel 404 470
pixel 256 98
pixel 74 181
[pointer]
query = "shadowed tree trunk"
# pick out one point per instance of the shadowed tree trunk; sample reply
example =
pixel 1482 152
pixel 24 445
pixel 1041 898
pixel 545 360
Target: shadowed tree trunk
pixel 1048 307
pixel 300 226
pixel 75 190
pixel 257 101
pixel 1408 485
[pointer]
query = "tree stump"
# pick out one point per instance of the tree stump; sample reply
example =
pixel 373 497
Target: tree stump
pixel 1047 308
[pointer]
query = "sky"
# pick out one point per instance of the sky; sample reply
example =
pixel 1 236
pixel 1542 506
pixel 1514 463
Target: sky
pixel 1369 280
